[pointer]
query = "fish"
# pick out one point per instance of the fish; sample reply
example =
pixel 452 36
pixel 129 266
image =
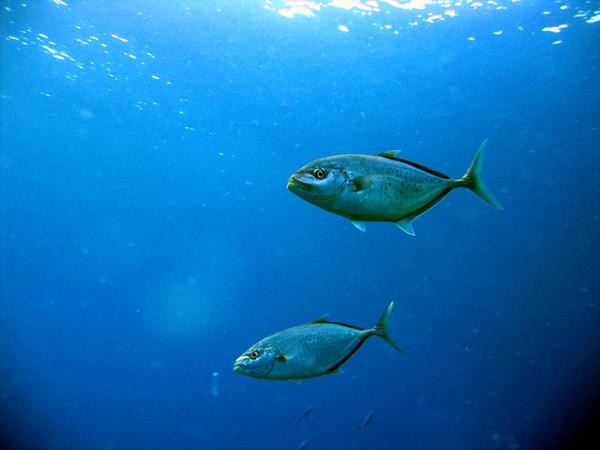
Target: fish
pixel 382 188
pixel 367 421
pixel 309 350
pixel 302 445
pixel 304 414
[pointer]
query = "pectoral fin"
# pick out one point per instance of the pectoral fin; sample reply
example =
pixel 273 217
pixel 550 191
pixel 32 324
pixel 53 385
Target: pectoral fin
pixel 406 225
pixel 281 358
pixel 360 225
pixel 361 183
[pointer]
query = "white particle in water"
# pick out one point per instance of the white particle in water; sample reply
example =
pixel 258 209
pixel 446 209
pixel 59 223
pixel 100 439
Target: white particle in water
pixel 122 39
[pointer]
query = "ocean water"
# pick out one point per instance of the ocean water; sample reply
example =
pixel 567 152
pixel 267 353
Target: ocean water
pixel 147 237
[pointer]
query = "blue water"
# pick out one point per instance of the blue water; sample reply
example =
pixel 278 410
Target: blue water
pixel 147 237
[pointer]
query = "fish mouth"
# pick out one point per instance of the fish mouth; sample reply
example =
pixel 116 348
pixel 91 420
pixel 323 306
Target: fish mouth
pixel 239 366
pixel 295 182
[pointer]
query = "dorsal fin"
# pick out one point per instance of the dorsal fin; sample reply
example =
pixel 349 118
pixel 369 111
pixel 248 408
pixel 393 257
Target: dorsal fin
pixel 393 155
pixel 321 319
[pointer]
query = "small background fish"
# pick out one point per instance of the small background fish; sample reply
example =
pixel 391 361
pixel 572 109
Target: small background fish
pixel 366 421
pixel 304 414
pixel 302 445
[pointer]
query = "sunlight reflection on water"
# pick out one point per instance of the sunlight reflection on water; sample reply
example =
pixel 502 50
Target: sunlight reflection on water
pixel 429 10
pixel 417 11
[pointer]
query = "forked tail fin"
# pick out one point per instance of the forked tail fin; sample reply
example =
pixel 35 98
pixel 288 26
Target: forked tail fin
pixel 381 329
pixel 472 178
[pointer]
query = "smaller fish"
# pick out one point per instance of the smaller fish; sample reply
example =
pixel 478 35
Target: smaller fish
pixel 302 445
pixel 367 421
pixel 304 414
pixel 310 350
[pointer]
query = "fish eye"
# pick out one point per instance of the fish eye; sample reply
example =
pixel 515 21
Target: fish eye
pixel 319 174
pixel 254 354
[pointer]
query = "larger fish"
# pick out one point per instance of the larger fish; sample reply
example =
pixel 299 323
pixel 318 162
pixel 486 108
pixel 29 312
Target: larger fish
pixel 309 350
pixel 381 188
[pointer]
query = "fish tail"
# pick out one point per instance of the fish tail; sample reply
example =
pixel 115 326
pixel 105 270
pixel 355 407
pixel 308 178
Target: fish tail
pixel 382 328
pixel 472 179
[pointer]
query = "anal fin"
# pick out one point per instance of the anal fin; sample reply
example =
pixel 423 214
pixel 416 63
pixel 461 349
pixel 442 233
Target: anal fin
pixel 360 225
pixel 405 224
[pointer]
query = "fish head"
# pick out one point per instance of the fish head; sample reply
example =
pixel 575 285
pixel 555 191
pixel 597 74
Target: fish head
pixel 257 362
pixel 319 182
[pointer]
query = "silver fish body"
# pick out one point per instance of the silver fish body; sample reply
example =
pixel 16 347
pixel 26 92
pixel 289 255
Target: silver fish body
pixel 308 350
pixel 384 187
pixel 380 189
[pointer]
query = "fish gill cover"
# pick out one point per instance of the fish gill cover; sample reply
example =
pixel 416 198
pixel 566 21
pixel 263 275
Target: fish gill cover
pixel 147 237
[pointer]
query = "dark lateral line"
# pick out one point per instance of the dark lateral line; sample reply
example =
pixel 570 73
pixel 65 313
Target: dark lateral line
pixel 349 355
pixel 429 205
pixel 339 323
pixel 417 166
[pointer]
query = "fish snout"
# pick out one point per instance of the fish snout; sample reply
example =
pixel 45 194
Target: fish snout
pixel 240 364
pixel 298 181
pixel 290 182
